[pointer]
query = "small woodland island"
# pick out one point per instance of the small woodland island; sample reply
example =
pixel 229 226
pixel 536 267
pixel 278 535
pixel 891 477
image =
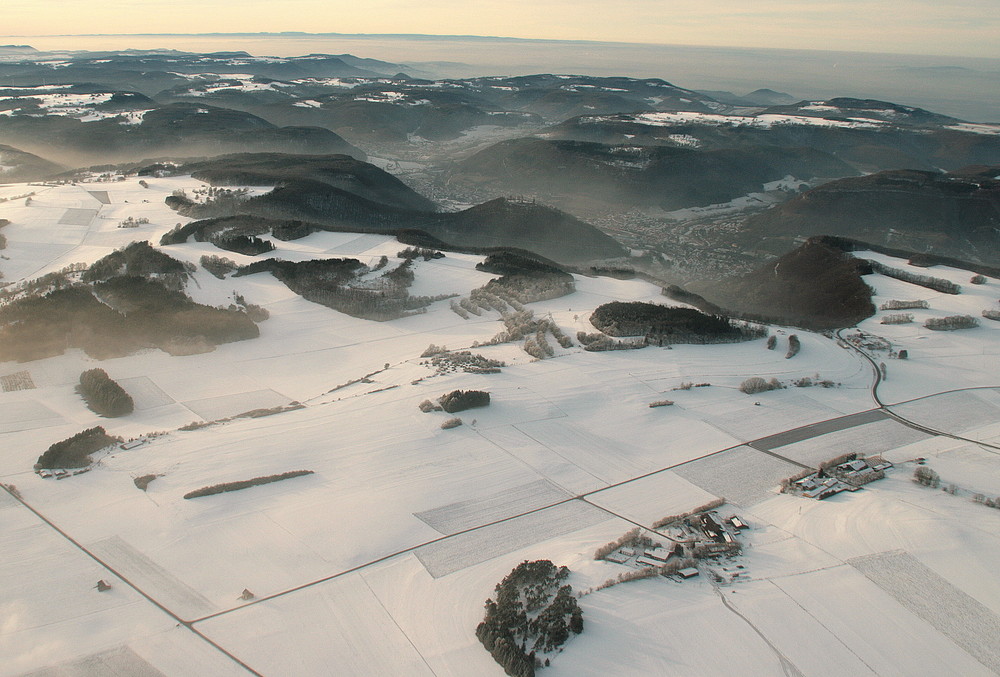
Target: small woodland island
pixel 532 613
pixel 75 451
pixel 103 395
pixel 665 325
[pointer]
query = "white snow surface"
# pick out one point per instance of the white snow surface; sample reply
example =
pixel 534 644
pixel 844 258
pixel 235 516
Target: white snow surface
pixel 379 562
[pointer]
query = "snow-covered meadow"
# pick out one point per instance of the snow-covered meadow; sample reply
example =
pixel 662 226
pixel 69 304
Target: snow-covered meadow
pixel 379 562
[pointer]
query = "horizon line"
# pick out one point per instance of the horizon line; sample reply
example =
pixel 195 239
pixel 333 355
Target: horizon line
pixel 492 38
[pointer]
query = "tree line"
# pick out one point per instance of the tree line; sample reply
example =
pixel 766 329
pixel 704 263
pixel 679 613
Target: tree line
pixel 74 452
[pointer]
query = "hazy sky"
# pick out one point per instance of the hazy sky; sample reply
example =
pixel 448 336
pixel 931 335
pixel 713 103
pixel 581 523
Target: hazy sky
pixel 956 27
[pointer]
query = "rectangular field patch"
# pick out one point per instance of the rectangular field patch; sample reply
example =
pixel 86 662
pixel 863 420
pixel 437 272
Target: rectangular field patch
pixel 145 393
pixel 604 458
pixel 779 412
pixel 358 245
pixel 954 413
pixel 647 499
pixel 866 440
pixel 817 429
pixel 214 408
pixel 455 517
pixel 173 593
pixel 27 415
pixel 119 661
pixel 465 550
pixel 743 476
pixel 77 217
pixel 19 380
pixel 932 598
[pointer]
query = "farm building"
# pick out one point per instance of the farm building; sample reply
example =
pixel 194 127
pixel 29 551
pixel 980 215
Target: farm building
pixel 618 557
pixel 659 554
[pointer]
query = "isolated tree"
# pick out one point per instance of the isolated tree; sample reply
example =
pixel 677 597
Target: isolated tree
pixel 927 477
pixel 754 384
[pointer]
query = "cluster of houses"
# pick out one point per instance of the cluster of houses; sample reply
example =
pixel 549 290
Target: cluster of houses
pixel 720 530
pixel 869 342
pixel 847 476
pixel 702 535
pixel 60 473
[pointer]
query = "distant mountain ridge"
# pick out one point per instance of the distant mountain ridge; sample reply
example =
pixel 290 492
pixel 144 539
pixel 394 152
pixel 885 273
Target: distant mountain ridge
pixel 132 127
pixel 579 174
pixel 869 135
pixel 339 171
pixel 954 214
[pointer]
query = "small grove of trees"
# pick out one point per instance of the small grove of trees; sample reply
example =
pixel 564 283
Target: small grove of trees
pixel 712 549
pixel 897 318
pixel 219 266
pixel 460 400
pixel 533 611
pixel 103 395
pixel 633 538
pixel 427 406
pixel 667 569
pixel 335 283
pixel 411 253
pixel 142 482
pixel 992 314
pixel 951 322
pixel 244 484
pixel 668 325
pixel 75 451
pixel 772 341
pixel 977 279
pixel 793 346
pixel 984 500
pixel 670 519
pixel 137 259
pixel 894 304
pixel 756 384
pixel 935 283
pixel 132 222
pixel 248 245
pixel 927 477
pixel 597 342
pixel 465 360
pixel 432 350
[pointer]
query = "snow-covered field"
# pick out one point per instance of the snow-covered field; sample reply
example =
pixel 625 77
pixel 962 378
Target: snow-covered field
pixel 379 562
